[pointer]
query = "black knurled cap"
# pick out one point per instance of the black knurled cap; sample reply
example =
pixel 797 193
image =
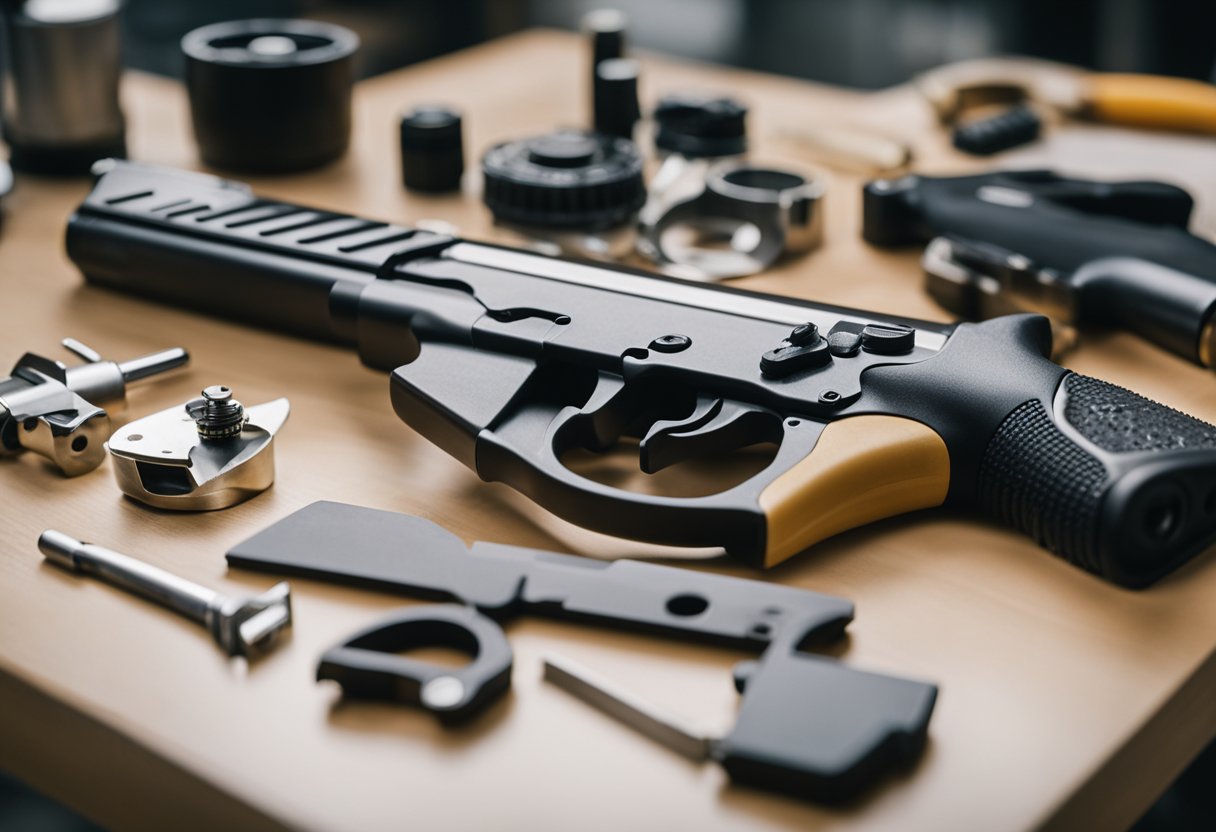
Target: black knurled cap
pixel 566 179
pixel 701 126
pixel 432 149
pixel 616 97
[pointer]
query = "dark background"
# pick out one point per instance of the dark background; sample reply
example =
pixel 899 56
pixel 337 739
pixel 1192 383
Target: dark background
pixel 858 43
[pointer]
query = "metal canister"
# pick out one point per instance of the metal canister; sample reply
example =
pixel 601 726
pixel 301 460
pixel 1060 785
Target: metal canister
pixel 63 60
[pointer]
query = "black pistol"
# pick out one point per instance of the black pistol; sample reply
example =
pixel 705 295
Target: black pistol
pixel 511 360
pixel 1114 254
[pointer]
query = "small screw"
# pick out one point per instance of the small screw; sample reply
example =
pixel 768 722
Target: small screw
pixel 217 415
pixel 671 343
pixel 829 397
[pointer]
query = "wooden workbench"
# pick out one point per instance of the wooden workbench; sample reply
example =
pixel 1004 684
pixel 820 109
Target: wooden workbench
pixel 1065 702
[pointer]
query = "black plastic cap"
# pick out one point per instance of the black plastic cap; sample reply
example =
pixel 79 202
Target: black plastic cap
pixel 566 179
pixel 607 30
pixel 616 97
pixel 432 149
pixel 700 126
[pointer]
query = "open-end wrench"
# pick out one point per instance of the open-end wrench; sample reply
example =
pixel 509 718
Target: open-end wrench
pixel 243 626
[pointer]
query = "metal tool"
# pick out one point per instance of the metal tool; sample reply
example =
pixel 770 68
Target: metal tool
pixel 744 219
pixel 242 626
pixel 368 666
pixel 809 726
pixel 62 62
pixel 56 410
pixel 207 454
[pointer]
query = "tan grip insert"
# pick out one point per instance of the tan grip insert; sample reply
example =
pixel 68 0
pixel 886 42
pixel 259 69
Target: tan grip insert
pixel 862 469
pixel 1153 101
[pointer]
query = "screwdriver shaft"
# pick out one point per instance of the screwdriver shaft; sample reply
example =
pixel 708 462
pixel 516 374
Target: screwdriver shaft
pixel 150 365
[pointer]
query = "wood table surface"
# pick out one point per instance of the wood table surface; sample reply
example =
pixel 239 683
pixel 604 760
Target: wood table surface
pixel 1065 702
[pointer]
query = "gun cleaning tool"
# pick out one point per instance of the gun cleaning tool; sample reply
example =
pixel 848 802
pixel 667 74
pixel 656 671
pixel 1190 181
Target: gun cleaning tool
pixel 577 189
pixel 1005 130
pixel 207 454
pixel 808 726
pixel 616 97
pixel 63 61
pixel 760 213
pixel 270 96
pixel 242 626
pixel 57 411
pixel 432 150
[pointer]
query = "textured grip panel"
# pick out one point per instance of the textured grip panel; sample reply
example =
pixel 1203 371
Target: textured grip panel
pixel 1127 489
pixel 1119 421
pixel 1037 480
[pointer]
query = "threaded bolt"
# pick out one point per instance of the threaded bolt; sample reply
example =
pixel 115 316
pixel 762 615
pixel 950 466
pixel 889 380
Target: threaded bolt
pixel 220 416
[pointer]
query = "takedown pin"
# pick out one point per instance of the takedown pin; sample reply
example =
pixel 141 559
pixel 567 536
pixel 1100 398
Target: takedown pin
pixel 243 626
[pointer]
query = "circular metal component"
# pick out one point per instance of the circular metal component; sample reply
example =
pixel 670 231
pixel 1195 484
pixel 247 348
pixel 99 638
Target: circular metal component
pixel 217 415
pixel 761 213
pixel 671 343
pixel 432 149
pixel 567 179
pixel 441 692
pixel 270 96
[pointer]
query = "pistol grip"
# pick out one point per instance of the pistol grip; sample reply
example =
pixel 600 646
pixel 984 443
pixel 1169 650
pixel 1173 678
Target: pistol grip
pixel 862 469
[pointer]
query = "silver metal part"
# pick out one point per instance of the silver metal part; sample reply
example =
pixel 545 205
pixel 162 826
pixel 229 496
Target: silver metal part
pixel 624 707
pixel 208 454
pixel 63 65
pixel 57 411
pixel 740 222
pixel 241 626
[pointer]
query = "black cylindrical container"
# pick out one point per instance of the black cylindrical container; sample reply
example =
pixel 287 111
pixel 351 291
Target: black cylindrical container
pixel 270 96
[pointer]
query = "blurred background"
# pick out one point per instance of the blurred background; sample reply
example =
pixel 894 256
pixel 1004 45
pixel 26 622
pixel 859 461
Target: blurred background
pixel 857 43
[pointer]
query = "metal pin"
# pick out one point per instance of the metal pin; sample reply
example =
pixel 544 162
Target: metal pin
pixel 624 707
pixel 241 625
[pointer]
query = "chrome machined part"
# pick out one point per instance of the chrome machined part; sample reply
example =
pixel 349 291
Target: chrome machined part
pixel 208 454
pixel 57 411
pixel 242 626
pixel 743 219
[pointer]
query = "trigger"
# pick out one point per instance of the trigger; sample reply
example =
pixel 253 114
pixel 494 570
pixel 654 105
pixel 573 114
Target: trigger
pixel 715 426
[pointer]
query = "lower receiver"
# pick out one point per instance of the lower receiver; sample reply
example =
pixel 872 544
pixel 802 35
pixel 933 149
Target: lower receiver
pixel 511 361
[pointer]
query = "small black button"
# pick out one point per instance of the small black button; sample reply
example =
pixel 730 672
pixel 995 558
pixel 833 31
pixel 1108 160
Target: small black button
pixel 803 334
pixel 844 344
pixel 888 339
pixel 791 358
pixel 671 343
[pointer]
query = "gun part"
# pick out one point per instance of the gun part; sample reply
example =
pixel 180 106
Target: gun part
pixel 56 411
pixel 369 664
pixel 1115 253
pixel 761 213
pixel 809 726
pixel 208 454
pixel 242 626
pixel 512 362
pixel 432 149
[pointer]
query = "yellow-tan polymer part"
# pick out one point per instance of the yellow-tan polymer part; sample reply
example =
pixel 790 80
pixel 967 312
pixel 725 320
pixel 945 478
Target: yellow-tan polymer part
pixel 862 469
pixel 1153 101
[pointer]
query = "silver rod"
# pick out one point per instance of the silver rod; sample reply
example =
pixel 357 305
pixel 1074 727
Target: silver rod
pixel 135 576
pixel 624 707
pixel 150 365
pixel 81 349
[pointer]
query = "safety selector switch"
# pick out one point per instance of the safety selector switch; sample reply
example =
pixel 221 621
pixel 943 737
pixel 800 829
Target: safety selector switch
pixel 888 339
pixel 56 411
pixel 803 349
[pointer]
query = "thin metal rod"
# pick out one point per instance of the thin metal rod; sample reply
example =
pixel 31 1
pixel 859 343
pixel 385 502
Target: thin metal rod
pixel 150 365
pixel 135 576
pixel 623 706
